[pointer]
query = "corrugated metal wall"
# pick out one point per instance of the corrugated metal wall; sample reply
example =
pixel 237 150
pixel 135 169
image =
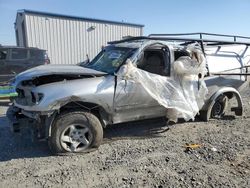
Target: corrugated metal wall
pixel 68 41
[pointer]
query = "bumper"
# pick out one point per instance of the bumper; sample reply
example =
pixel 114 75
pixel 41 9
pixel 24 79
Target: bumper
pixel 14 118
pixel 19 119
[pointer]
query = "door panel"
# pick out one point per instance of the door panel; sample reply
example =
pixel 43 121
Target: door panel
pixel 132 102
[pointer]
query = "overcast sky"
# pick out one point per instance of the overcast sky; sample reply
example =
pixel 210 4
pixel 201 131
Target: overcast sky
pixel 158 16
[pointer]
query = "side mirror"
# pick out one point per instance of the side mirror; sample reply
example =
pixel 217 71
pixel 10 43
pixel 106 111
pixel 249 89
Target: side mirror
pixel 85 62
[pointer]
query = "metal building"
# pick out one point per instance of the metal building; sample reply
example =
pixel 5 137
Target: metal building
pixel 69 39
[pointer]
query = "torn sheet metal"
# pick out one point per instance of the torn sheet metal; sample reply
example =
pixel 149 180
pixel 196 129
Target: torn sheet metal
pixel 182 95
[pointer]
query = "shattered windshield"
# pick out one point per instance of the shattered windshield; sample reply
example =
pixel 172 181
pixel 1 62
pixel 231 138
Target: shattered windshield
pixel 110 59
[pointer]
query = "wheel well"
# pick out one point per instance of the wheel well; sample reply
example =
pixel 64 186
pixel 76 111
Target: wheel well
pixel 229 95
pixel 95 109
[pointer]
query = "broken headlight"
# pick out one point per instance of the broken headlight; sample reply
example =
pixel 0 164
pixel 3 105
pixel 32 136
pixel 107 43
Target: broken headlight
pixel 36 97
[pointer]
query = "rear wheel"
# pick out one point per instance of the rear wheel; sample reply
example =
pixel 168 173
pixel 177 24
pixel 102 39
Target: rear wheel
pixel 217 110
pixel 219 107
pixel 75 132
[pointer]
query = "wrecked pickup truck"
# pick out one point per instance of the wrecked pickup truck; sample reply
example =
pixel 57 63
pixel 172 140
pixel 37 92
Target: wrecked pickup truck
pixel 133 79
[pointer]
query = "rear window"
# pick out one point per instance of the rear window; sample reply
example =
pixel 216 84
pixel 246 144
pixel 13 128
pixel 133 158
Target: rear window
pixel 3 54
pixel 37 54
pixel 19 54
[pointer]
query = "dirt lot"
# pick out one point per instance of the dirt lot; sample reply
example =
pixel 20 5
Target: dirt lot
pixel 142 154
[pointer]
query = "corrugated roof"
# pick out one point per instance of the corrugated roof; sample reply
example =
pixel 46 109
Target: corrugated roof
pixel 76 17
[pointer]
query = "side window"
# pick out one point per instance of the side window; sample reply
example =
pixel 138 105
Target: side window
pixel 180 53
pixel 3 54
pixel 19 54
pixel 156 62
pixel 37 54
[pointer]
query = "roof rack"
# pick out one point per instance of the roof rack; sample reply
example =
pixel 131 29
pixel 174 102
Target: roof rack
pixel 202 36
pixel 201 39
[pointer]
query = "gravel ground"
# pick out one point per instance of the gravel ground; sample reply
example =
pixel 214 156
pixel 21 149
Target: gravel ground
pixel 141 154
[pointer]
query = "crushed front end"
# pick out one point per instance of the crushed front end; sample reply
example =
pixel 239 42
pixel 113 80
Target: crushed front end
pixel 43 90
pixel 24 111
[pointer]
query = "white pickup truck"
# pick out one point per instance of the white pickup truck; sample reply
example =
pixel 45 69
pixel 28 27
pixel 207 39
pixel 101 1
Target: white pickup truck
pixel 132 79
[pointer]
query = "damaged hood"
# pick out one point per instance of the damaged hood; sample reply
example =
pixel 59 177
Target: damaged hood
pixel 44 70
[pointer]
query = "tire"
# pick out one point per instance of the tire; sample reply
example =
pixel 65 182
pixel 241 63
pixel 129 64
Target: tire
pixel 219 107
pixel 217 110
pixel 75 132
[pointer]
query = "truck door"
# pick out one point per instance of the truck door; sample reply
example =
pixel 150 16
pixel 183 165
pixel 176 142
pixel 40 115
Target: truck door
pixel 132 102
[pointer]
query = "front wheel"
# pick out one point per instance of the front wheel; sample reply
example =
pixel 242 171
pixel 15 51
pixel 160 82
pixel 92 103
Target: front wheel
pixel 75 132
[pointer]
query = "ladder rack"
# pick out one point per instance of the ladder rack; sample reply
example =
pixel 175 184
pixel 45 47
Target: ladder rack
pixel 203 35
pixel 202 38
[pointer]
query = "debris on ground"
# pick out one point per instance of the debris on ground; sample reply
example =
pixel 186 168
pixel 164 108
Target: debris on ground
pixel 189 147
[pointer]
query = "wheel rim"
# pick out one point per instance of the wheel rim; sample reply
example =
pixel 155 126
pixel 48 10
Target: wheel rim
pixel 217 109
pixel 76 138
